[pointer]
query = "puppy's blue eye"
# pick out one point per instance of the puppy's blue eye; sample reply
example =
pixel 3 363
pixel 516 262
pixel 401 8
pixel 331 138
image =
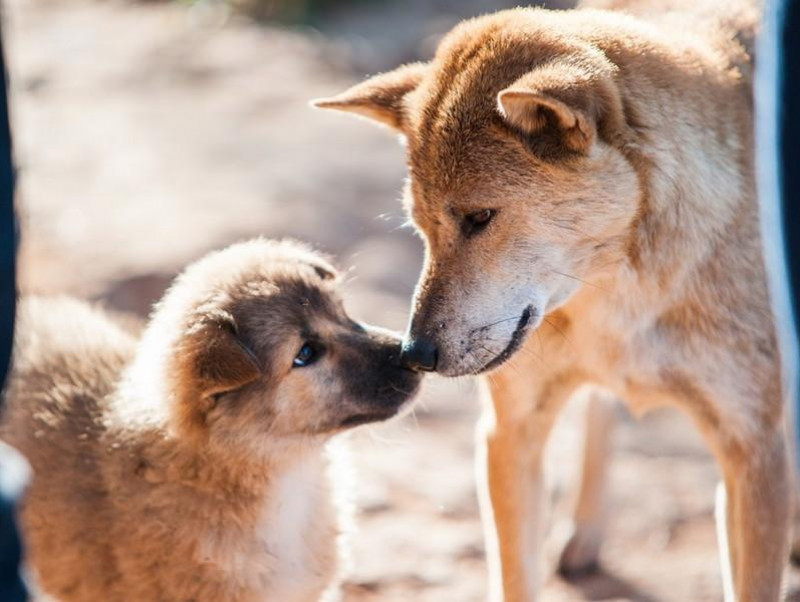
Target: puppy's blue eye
pixel 307 355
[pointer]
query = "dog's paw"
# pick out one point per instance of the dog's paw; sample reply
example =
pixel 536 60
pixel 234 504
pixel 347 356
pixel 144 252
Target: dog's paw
pixel 581 551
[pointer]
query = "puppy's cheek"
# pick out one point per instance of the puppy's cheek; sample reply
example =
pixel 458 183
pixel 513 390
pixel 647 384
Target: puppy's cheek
pixel 292 414
pixel 241 423
pixel 333 401
pixel 309 402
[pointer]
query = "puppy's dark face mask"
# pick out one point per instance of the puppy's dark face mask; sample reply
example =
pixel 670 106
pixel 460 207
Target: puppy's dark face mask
pixel 276 357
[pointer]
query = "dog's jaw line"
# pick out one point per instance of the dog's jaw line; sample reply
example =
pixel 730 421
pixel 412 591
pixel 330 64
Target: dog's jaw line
pixel 517 337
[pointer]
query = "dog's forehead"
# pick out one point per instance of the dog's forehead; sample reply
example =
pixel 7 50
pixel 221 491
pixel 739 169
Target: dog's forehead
pixel 455 133
pixel 457 141
pixel 447 132
pixel 450 154
pixel 491 171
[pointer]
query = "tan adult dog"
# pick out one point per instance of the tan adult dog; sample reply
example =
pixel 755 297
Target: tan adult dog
pixel 590 174
pixel 194 465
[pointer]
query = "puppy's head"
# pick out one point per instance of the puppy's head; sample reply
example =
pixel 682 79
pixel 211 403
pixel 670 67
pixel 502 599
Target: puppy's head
pixel 516 178
pixel 262 350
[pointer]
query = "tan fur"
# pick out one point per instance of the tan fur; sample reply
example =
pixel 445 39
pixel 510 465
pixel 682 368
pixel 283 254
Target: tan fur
pixel 616 152
pixel 195 463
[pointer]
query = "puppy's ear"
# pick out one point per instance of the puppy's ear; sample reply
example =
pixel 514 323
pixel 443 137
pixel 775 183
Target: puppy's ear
pixel 561 106
pixel 381 97
pixel 210 359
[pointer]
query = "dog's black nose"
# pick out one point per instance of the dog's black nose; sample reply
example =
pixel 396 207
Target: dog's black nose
pixel 419 355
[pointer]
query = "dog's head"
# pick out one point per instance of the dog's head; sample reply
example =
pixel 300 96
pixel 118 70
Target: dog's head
pixel 261 350
pixel 516 179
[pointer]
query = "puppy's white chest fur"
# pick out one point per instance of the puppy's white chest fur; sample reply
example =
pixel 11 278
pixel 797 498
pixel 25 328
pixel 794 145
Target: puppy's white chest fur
pixel 290 553
pixel 295 529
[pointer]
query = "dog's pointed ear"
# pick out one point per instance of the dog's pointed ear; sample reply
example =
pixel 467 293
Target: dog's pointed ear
pixel 381 98
pixel 210 359
pixel 563 104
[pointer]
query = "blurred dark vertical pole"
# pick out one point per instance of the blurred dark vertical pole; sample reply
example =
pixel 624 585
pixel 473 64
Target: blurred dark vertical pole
pixel 8 234
pixel 777 101
pixel 789 134
pixel 788 138
pixel 11 586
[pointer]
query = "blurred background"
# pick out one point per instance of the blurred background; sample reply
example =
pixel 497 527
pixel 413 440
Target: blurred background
pixel 148 133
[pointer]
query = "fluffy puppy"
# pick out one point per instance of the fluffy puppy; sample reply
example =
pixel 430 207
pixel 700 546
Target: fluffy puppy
pixel 194 465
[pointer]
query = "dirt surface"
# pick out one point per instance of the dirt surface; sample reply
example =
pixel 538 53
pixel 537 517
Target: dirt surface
pixel 149 133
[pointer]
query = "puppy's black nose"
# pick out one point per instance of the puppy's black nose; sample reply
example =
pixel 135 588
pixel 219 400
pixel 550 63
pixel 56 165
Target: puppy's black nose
pixel 419 355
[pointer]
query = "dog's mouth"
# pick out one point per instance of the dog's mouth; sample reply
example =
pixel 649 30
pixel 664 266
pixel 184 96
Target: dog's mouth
pixel 517 338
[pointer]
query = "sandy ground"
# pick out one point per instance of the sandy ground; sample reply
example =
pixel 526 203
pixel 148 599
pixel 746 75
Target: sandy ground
pixel 149 133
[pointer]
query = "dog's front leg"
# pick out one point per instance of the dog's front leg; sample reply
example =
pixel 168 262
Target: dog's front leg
pixel 758 490
pixel 753 510
pixel 793 440
pixel 512 434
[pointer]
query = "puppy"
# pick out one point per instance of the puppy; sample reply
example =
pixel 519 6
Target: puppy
pixel 590 174
pixel 194 465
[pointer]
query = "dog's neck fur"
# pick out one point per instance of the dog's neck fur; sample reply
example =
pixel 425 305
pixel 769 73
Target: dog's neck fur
pixel 695 188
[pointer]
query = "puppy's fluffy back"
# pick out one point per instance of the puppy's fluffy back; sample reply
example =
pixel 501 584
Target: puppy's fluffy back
pixel 68 357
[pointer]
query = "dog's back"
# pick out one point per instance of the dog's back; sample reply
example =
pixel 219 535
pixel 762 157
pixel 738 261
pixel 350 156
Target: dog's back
pixel 68 358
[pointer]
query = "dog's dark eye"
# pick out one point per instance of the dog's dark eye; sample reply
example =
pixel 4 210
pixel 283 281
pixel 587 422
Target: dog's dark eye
pixel 307 355
pixel 477 220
